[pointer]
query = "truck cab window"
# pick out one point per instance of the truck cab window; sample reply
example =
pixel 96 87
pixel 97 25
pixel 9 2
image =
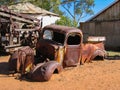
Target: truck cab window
pixel 74 39
pixel 59 38
pixel 54 36
pixel 47 34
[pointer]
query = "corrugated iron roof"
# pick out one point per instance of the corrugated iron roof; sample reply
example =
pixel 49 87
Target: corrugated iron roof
pixel 28 8
pixel 116 1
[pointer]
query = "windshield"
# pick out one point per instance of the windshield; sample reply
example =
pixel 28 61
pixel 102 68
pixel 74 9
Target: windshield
pixel 55 36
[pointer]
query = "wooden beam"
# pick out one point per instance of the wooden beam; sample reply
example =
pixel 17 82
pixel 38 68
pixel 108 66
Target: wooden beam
pixel 17 18
pixel 25 29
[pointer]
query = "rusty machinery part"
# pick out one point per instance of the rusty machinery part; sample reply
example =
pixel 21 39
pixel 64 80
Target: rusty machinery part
pixel 44 71
pixel 21 61
pixel 11 29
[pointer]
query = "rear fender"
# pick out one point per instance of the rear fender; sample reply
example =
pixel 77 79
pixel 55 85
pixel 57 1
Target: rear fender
pixel 99 53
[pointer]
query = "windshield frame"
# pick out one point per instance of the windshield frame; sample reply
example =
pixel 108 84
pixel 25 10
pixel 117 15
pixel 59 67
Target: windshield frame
pixel 57 37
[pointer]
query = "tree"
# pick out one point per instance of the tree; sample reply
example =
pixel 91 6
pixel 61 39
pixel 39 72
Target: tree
pixel 7 2
pixel 66 21
pixel 80 8
pixel 50 5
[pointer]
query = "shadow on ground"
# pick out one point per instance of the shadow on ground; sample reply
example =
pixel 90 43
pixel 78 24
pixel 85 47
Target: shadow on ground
pixel 4 68
pixel 116 57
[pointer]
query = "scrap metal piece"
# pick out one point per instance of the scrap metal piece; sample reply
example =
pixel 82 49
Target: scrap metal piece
pixel 44 71
pixel 21 60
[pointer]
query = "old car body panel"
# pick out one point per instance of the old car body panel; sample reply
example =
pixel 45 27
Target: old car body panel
pixel 73 49
pixel 60 55
pixel 44 71
pixel 65 45
pixel 67 52
pixel 72 55
pixel 91 50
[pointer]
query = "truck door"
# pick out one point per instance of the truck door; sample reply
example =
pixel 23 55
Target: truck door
pixel 72 49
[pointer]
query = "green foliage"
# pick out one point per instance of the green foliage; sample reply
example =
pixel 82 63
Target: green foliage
pixel 41 3
pixel 66 21
pixel 7 2
pixel 50 5
pixel 113 53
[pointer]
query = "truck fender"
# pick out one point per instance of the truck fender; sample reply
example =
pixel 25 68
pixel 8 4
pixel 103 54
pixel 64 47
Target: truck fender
pixel 100 53
pixel 44 71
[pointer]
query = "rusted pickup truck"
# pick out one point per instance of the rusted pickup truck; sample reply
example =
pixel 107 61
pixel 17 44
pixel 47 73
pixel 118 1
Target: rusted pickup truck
pixel 65 45
pixel 58 47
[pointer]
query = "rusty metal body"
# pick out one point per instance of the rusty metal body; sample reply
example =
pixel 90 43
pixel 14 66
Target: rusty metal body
pixel 21 61
pixel 59 46
pixel 64 45
pixel 60 43
pixel 44 71
pixel 90 51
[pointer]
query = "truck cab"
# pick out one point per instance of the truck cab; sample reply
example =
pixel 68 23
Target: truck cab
pixel 60 43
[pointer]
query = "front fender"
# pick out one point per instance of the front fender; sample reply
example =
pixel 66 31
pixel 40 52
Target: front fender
pixel 99 52
pixel 43 72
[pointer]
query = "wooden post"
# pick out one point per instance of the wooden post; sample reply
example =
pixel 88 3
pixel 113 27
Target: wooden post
pixel 11 34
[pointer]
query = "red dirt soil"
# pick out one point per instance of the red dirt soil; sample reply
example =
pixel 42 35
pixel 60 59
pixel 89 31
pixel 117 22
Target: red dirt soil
pixel 99 75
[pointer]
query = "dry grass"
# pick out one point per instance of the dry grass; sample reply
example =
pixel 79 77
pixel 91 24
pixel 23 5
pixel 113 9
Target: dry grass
pixel 113 53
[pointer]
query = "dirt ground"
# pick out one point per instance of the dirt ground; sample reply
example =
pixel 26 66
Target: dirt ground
pixel 99 75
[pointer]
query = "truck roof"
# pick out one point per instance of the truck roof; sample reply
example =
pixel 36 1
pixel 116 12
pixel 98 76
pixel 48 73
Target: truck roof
pixel 62 29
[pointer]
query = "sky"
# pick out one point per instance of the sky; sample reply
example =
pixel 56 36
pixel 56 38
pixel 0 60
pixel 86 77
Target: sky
pixel 99 6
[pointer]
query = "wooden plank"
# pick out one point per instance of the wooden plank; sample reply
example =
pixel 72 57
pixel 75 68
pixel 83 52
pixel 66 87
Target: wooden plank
pixel 96 38
pixel 15 17
pixel 25 29
pixel 11 46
